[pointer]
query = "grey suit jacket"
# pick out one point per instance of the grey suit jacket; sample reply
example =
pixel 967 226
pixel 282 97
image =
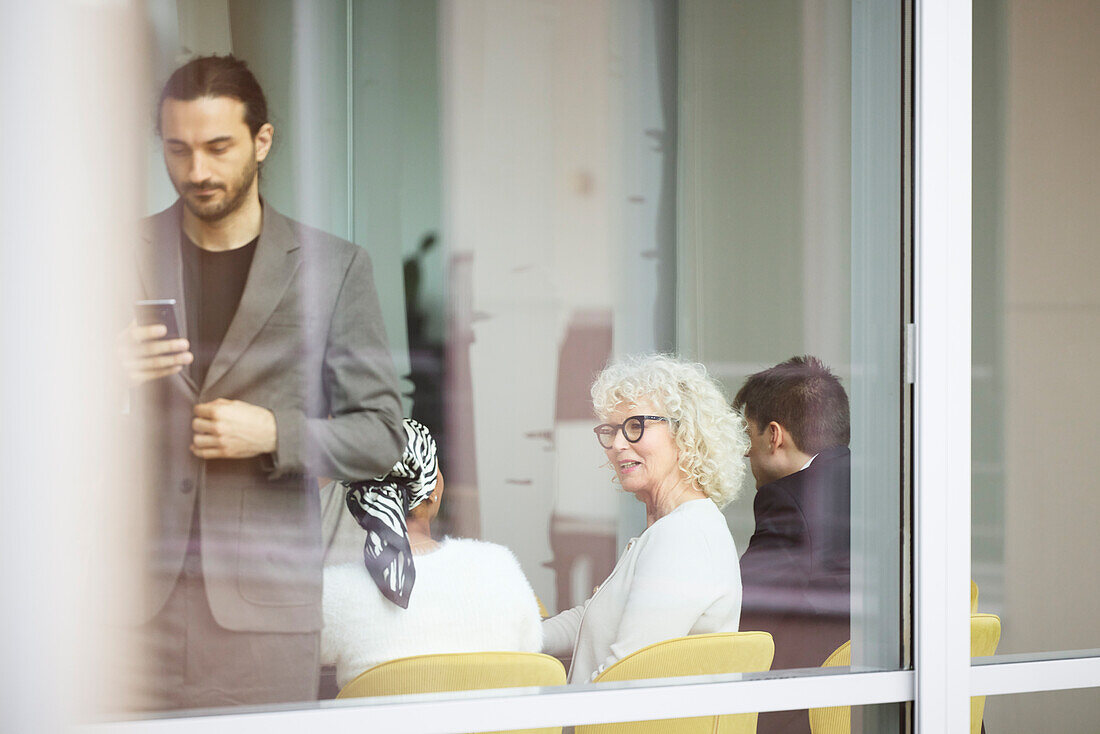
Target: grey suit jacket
pixel 307 342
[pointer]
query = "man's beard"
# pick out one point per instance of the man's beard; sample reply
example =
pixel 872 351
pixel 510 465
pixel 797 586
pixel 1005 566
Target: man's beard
pixel 236 193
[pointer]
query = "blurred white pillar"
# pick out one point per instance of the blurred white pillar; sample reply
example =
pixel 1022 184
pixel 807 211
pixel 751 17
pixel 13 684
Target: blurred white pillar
pixel 69 145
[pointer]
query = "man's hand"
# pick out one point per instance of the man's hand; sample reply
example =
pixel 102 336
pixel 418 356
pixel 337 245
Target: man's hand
pixel 146 355
pixel 231 429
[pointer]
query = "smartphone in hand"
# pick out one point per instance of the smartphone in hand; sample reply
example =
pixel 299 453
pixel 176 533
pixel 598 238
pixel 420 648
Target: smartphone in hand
pixel 158 311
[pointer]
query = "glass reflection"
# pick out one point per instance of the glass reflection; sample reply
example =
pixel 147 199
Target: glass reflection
pixel 528 221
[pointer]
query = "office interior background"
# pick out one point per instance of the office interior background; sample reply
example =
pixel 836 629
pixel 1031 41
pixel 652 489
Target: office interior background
pixel 572 181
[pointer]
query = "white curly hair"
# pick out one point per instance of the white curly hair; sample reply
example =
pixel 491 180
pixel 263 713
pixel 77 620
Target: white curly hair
pixel 709 434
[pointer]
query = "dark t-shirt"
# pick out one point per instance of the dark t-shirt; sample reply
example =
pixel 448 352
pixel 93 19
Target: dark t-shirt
pixel 212 286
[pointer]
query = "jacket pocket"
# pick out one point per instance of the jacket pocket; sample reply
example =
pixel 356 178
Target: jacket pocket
pixel 279 544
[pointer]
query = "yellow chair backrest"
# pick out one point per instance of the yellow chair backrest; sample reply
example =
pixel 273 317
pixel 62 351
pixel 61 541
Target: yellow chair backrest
pixel 985 634
pixel 464 671
pixel 713 654
pixel 834 719
pixel 973 597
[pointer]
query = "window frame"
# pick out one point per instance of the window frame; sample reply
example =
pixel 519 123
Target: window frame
pixel 942 678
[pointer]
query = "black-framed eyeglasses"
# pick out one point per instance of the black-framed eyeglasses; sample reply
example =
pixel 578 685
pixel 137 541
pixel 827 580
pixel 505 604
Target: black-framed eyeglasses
pixel 633 429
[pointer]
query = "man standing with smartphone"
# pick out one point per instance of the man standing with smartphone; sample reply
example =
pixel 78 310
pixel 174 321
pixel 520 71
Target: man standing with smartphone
pixel 281 373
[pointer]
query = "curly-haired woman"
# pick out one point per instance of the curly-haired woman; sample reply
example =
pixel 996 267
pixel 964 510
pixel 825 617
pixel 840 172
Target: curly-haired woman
pixel 677 446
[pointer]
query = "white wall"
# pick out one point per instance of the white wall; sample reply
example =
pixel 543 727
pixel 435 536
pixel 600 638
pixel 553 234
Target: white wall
pixel 556 182
pixel 764 197
pixel 1051 313
pixel 527 110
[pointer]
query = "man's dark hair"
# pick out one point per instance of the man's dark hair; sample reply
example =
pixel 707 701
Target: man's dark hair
pixel 804 397
pixel 217 76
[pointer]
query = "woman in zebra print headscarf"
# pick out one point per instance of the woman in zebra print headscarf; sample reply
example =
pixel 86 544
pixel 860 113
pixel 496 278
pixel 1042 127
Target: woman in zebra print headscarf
pixel 470 595
pixel 386 507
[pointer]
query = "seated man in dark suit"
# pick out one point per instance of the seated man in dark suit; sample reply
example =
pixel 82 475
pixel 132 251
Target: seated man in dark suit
pixel 795 571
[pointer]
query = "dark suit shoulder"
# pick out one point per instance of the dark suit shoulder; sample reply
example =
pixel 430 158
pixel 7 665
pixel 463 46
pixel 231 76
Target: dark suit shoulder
pixel 802 516
pixel 829 474
pixel 778 513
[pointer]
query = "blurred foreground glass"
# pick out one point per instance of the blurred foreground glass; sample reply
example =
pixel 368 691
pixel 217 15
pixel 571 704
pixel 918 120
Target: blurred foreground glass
pixel 68 72
pixel 545 186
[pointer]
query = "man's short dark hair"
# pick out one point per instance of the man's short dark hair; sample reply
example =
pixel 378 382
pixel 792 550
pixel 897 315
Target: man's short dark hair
pixel 803 396
pixel 217 76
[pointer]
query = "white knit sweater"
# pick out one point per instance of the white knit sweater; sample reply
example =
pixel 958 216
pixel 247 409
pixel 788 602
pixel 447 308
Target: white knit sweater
pixel 469 596
pixel 680 577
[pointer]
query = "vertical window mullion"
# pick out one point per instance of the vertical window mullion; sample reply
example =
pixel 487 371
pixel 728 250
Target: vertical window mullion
pixel 943 303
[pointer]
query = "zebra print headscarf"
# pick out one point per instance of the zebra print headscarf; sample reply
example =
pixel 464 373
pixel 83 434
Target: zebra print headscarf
pixel 380 505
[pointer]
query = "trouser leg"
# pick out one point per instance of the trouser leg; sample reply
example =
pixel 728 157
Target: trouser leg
pixel 197 663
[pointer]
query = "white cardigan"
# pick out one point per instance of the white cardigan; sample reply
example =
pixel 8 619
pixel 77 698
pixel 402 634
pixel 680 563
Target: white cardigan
pixel 680 577
pixel 469 596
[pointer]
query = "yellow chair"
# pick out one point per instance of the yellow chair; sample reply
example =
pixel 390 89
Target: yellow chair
pixel 973 597
pixel 985 634
pixel 834 719
pixel 463 671
pixel 713 654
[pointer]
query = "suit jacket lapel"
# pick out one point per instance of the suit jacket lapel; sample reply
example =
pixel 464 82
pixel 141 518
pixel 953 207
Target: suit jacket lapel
pixel 161 273
pixel 273 267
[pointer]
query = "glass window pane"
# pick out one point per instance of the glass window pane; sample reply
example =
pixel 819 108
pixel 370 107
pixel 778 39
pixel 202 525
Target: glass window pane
pixel 1035 316
pixel 1072 712
pixel 542 189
